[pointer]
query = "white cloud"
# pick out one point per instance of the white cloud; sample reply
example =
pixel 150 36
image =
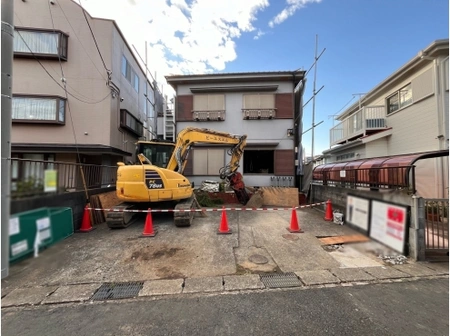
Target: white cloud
pixel 258 34
pixel 183 36
pixel 292 7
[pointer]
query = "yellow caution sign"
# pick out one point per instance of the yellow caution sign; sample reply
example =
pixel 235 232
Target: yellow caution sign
pixel 50 181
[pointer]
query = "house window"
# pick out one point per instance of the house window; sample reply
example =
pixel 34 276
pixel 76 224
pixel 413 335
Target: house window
pixel 259 161
pixel 40 43
pixel 136 83
pixel 259 101
pixel 258 106
pixel 400 99
pixel 39 109
pixel 129 73
pixel 208 161
pixel 209 107
pixel 209 102
pixel 130 123
pixel 345 156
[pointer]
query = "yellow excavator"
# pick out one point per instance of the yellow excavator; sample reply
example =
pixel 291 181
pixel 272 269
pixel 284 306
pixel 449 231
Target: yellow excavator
pixel 157 180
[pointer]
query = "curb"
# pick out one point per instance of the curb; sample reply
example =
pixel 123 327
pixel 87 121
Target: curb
pixel 343 277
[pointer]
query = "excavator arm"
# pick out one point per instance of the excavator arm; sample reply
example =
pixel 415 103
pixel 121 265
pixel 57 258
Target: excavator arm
pixel 191 136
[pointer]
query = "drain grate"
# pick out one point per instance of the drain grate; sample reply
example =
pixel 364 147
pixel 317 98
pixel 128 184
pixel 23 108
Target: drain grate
pixel 280 280
pixel 124 290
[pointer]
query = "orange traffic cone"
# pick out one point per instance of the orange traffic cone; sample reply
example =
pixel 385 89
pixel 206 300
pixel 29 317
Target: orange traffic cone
pixel 328 211
pixel 294 228
pixel 86 225
pixel 224 229
pixel 148 227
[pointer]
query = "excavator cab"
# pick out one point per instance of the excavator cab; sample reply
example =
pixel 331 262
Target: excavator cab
pixel 157 152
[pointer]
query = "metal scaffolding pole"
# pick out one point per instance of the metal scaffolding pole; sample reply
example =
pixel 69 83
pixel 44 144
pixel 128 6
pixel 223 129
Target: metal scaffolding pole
pixel 314 103
pixel 7 64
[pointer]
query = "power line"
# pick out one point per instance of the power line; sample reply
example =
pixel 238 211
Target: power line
pixel 74 31
pixel 95 40
pixel 337 113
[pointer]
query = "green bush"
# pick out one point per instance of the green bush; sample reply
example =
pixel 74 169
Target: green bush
pixel 29 187
pixel 205 200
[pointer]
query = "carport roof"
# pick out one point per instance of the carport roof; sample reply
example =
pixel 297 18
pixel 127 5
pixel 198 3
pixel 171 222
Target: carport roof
pixel 379 162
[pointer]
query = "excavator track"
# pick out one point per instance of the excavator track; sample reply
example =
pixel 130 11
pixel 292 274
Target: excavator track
pixel 117 218
pixel 184 219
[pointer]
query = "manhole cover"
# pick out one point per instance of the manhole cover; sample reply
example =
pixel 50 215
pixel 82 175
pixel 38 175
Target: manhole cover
pixel 280 280
pixel 117 291
pixel 289 236
pixel 258 259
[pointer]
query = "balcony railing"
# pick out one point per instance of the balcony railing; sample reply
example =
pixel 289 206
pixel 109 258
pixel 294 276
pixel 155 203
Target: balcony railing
pixel 254 114
pixel 213 115
pixel 368 118
pixel 28 177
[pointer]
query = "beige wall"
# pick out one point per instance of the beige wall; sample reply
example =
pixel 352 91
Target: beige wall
pixel 377 148
pixel 414 128
pixel 84 73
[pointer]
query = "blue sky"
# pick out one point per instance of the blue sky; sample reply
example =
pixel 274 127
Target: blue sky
pixel 365 41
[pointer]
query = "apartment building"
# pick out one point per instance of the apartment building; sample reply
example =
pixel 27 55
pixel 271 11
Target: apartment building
pixel 79 92
pixel 404 120
pixel 263 105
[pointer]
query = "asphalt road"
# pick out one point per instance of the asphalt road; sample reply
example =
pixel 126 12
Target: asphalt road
pixel 407 308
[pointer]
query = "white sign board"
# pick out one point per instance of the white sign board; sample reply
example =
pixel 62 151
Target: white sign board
pixel 14 226
pixel 388 225
pixel 358 212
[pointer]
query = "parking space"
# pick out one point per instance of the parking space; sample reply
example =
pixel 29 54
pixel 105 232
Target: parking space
pixel 259 243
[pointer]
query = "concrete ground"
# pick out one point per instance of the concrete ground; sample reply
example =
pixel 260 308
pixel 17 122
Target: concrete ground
pixel 197 259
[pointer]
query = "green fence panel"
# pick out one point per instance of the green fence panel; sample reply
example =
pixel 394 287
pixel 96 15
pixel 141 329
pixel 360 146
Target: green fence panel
pixel 28 230
pixel 36 229
pixel 62 223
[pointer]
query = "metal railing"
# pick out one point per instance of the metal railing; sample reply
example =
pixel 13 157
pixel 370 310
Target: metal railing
pixel 28 177
pixel 218 115
pixel 436 225
pixel 401 177
pixel 258 113
pixel 367 118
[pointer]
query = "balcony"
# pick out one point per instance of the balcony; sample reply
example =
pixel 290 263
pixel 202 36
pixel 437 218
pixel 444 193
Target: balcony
pixel 367 120
pixel 216 115
pixel 255 114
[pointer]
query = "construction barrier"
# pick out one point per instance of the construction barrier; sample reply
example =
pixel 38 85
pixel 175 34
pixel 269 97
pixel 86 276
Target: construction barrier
pixel 294 228
pixel 328 211
pixel 223 228
pixel 148 227
pixel 212 209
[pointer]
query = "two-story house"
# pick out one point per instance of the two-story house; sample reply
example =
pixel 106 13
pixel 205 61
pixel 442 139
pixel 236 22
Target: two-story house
pixel 79 92
pixel 262 105
pixel 404 120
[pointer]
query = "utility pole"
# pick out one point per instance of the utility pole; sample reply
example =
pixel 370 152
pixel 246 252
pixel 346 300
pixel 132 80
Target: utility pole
pixel 7 65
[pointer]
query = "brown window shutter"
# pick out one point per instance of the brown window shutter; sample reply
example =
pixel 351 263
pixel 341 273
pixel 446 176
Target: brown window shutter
pixel 283 104
pixel 284 162
pixel 184 108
